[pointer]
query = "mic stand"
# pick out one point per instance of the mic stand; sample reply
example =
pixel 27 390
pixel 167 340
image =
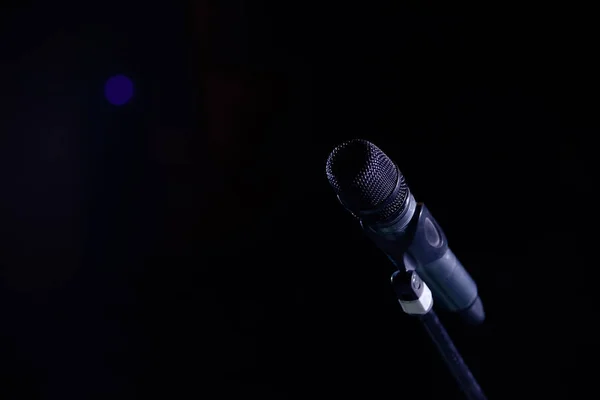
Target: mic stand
pixel 416 299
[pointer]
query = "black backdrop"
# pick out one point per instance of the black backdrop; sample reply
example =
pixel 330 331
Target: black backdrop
pixel 187 244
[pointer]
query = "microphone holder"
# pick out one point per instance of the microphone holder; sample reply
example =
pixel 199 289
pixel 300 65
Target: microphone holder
pixel 416 299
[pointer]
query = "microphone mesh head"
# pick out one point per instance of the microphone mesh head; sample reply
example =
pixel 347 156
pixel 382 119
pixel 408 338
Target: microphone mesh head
pixel 364 177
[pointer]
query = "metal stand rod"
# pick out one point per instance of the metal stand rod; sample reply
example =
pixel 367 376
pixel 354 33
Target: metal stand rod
pixel 416 299
pixel 451 356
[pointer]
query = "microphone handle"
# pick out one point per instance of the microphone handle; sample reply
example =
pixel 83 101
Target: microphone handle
pixel 417 242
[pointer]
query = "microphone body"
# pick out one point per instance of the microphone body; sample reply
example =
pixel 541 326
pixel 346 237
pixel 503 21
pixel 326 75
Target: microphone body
pixel 415 242
pixel 374 191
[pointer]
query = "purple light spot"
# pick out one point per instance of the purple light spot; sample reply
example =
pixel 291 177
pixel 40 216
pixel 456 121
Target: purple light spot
pixel 118 90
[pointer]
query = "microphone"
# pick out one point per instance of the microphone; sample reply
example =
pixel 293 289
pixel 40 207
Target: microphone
pixel 372 188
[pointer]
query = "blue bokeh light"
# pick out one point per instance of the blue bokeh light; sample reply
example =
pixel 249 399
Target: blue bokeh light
pixel 118 90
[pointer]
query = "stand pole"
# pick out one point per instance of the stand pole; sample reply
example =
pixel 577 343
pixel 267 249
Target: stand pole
pixel 416 299
pixel 451 356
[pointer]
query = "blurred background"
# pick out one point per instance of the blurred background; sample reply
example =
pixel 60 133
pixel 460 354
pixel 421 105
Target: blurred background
pixel 166 227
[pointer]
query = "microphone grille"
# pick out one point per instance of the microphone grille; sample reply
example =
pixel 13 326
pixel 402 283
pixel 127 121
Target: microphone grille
pixel 364 177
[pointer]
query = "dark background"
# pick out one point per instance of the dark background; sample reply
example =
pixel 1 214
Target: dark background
pixel 187 244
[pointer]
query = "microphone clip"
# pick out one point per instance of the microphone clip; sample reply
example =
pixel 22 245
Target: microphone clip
pixel 414 296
